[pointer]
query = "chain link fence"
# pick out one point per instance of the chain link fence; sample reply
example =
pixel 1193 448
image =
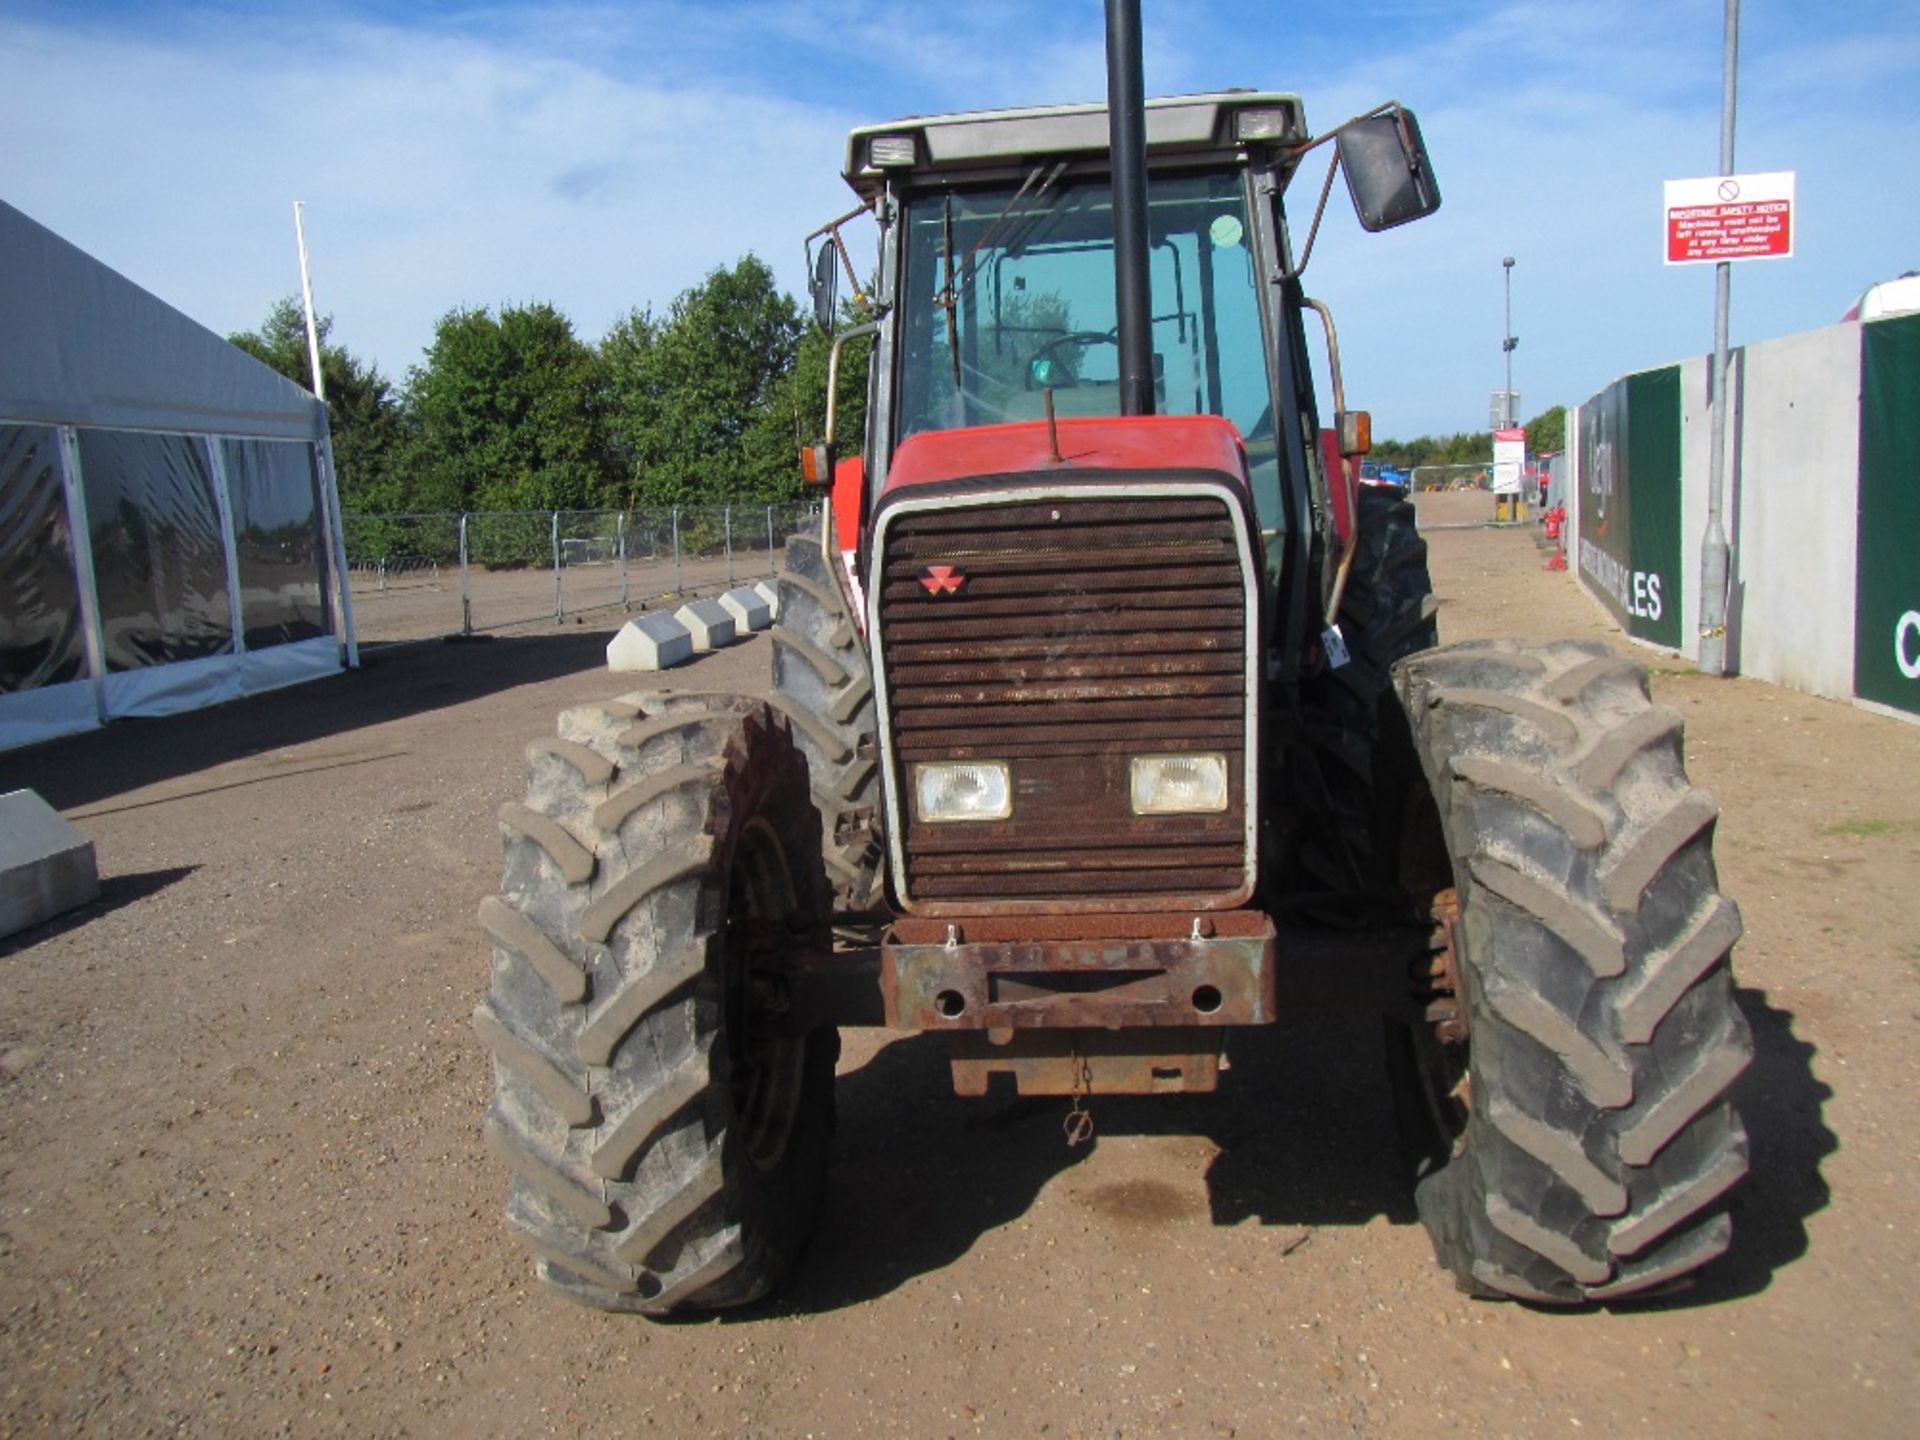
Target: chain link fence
pixel 418 577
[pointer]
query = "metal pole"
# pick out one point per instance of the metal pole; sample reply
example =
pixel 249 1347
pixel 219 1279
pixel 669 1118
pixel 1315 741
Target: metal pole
pixel 466 584
pixel 676 550
pixel 337 528
pixel 773 565
pixel 559 605
pixel 620 540
pixel 306 296
pixel 1127 137
pixel 1507 342
pixel 1715 552
pixel 726 520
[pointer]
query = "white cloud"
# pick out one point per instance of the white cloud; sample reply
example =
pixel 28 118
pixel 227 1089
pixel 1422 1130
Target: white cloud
pixel 604 156
pixel 437 171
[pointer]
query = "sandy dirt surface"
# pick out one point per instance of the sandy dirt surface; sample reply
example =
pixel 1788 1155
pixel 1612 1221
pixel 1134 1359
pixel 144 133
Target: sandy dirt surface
pixel 242 1193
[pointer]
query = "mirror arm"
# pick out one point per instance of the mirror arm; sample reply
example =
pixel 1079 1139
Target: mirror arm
pixel 1319 211
pixel 832 232
pixel 871 327
pixel 1294 152
pixel 1338 593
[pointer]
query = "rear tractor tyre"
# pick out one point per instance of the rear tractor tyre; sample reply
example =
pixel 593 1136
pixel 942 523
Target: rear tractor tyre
pixel 1565 1097
pixel 1387 612
pixel 822 684
pixel 667 1144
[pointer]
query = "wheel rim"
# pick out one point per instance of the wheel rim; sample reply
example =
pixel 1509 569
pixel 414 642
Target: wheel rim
pixel 766 1071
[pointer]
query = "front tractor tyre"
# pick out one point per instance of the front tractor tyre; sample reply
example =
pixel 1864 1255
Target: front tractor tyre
pixel 1565 1090
pixel 822 685
pixel 667 1141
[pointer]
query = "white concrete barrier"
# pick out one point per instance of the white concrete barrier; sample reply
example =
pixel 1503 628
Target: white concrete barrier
pixel 709 624
pixel 46 866
pixel 649 642
pixel 749 609
pixel 770 593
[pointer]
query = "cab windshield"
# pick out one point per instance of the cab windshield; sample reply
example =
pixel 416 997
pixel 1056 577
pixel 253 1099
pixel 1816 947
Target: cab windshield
pixel 1009 292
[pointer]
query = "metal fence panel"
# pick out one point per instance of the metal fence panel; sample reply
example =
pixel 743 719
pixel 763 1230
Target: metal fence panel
pixel 592 556
pixel 405 573
pixel 421 576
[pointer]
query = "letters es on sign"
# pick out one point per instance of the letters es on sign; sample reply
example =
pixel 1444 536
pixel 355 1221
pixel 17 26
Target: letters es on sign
pixel 1730 217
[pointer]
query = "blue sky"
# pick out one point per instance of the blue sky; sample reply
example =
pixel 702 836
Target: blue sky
pixel 604 157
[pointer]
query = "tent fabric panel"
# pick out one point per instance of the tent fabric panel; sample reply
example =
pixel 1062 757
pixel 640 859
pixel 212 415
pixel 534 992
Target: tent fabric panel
pixel 86 346
pixel 273 490
pixel 159 548
pixel 288 664
pixel 172 689
pixel 28 717
pixel 42 639
pixel 194 684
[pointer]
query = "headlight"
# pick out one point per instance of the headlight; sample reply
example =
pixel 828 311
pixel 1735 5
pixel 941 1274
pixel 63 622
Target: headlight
pixel 963 790
pixel 890 151
pixel 1178 784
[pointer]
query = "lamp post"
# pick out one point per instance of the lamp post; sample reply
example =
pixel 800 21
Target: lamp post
pixel 1507 344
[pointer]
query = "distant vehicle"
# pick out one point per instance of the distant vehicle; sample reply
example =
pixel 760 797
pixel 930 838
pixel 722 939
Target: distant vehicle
pixel 1888 297
pixel 1393 475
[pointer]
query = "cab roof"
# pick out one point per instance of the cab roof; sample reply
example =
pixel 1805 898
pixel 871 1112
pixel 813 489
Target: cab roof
pixel 990 139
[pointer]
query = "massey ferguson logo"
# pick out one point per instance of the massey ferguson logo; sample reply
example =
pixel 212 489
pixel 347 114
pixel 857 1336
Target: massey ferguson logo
pixel 942 579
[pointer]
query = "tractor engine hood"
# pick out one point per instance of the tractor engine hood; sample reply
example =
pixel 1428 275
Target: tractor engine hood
pixel 1087 445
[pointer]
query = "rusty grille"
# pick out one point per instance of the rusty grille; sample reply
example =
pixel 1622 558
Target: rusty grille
pixel 1083 633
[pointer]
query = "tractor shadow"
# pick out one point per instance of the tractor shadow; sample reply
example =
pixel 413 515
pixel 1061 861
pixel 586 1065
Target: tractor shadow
pixel 1304 1130
pixel 1302 1124
pixel 1782 1104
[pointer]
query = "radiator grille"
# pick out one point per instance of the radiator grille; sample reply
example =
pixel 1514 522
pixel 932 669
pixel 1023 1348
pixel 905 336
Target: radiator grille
pixel 1082 632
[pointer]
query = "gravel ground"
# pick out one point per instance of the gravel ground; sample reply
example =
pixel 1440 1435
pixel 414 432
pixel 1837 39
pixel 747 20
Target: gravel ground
pixel 241 1189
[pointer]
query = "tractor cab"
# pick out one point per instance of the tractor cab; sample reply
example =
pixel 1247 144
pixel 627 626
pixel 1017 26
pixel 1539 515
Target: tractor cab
pixel 995 300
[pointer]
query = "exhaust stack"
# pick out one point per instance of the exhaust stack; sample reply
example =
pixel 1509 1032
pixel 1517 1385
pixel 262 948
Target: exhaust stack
pixel 1127 136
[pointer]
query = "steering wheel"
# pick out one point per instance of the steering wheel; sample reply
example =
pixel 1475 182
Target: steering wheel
pixel 1081 338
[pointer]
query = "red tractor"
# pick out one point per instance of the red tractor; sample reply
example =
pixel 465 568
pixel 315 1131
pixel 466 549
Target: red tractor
pixel 1108 718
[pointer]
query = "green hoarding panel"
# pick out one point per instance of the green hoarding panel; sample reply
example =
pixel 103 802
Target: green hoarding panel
pixel 1653 471
pixel 1630 502
pixel 1886 644
pixel 1604 533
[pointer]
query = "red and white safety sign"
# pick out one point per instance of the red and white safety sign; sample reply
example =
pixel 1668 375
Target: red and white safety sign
pixel 1730 217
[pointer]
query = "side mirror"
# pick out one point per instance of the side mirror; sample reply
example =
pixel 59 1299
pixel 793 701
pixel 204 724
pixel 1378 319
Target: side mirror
pixel 823 285
pixel 1388 173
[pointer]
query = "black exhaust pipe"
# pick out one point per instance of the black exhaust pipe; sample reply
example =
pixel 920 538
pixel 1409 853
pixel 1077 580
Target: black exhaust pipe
pixel 1127 135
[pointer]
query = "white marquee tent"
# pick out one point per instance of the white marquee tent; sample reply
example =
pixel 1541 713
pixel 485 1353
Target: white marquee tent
pixel 169 531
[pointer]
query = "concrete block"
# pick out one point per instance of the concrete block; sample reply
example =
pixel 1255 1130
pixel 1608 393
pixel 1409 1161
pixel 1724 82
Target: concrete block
pixel 709 624
pixel 749 609
pixel 650 642
pixel 46 866
pixel 769 592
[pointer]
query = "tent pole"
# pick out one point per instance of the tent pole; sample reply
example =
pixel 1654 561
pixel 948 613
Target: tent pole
pixel 223 502
pixel 81 532
pixel 329 477
pixel 306 296
pixel 330 517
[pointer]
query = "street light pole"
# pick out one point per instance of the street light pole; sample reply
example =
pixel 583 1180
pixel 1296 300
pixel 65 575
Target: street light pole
pixel 1507 344
pixel 1715 551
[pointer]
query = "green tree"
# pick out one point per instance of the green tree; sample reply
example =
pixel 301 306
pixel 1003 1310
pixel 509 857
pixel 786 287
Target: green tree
pixel 509 415
pixel 1466 448
pixel 363 415
pixel 797 412
pixel 698 406
pixel 1547 432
